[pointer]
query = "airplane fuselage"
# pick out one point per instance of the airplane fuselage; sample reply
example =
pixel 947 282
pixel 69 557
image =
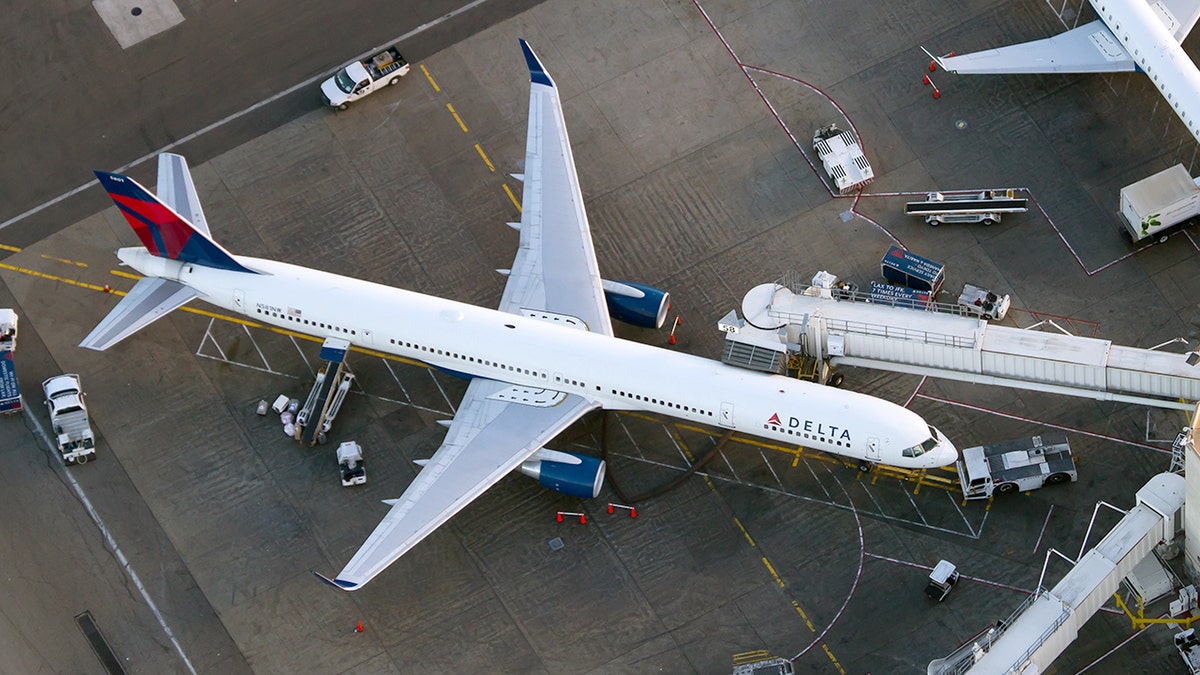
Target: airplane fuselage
pixel 544 352
pixel 1156 53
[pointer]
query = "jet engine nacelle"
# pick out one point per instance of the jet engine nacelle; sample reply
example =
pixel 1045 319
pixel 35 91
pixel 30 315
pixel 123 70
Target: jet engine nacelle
pixel 637 304
pixel 566 472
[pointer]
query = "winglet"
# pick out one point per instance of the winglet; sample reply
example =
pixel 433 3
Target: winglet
pixel 936 59
pixel 537 73
pixel 339 584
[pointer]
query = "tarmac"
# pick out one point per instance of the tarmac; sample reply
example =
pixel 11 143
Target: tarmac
pixel 690 125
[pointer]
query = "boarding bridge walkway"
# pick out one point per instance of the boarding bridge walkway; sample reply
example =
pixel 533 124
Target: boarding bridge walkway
pixel 1049 621
pixel 844 327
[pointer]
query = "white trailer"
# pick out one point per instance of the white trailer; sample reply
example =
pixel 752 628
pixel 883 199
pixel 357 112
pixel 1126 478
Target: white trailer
pixel 1017 465
pixel 1152 205
pixel 69 418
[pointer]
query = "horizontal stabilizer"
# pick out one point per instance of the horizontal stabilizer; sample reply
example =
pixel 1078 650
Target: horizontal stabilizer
pixel 151 299
pixel 1090 48
pixel 336 583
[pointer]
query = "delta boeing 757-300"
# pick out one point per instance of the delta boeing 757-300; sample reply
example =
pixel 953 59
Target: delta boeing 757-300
pixel 537 364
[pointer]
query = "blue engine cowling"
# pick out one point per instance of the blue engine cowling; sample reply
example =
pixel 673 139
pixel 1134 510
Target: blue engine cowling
pixel 566 472
pixel 637 304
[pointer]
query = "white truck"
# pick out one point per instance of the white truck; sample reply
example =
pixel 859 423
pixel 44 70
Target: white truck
pixel 1153 205
pixel 69 418
pixel 983 302
pixel 363 78
pixel 843 158
pixel 1018 465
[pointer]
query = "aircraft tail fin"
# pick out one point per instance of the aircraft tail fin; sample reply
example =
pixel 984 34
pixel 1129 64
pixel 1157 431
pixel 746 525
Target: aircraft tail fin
pixel 162 230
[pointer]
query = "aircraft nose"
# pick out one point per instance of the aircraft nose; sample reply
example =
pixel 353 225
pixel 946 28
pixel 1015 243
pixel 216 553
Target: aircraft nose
pixel 945 454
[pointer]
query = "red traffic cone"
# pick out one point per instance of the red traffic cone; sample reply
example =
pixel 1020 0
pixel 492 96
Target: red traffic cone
pixel 560 516
pixel 937 93
pixel 583 518
pixel 610 507
pixel 926 82
pixel 932 66
pixel 632 512
pixel 358 628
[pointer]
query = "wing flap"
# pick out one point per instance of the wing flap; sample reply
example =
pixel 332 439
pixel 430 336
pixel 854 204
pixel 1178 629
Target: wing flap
pixel 151 299
pixel 488 439
pixel 1091 48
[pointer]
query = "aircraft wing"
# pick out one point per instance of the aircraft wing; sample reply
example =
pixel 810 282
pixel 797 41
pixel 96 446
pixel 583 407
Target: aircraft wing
pixel 176 190
pixel 1090 48
pixel 150 299
pixel 1179 16
pixel 555 269
pixel 491 436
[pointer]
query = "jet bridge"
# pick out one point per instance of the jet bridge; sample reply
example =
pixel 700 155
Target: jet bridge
pixel 840 325
pixel 1046 623
pixel 324 401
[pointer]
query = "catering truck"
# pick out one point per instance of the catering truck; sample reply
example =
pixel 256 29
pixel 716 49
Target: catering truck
pixel 10 393
pixel 1154 205
pixel 365 77
pixel 1018 465
pixel 69 417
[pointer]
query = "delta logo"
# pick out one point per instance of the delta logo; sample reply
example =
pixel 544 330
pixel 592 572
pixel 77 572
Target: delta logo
pixel 810 426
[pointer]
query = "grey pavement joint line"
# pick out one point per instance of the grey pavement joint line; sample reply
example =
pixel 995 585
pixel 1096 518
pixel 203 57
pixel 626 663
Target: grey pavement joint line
pixel 112 543
pixel 245 111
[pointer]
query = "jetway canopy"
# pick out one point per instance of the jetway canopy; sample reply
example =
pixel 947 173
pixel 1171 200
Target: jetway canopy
pixel 847 329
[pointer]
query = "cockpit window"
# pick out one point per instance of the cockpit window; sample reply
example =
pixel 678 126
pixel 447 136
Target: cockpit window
pixel 918 450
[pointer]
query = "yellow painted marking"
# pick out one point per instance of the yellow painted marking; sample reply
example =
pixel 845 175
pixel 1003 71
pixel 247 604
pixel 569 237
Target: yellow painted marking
pixel 65 261
pixel 774 575
pixel 513 197
pixel 52 277
pixel 461 125
pixel 804 616
pixel 744 532
pixel 796 460
pixel 127 275
pixel 833 658
pixel 14 249
pixel 485 158
pixel 429 77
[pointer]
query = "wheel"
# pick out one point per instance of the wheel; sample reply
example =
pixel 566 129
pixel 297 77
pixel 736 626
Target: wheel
pixel 344 106
pixel 69 462
pixel 394 81
pixel 864 466
pixel 1006 488
pixel 82 459
pixel 1056 478
pixel 988 221
pixel 836 380
pixel 933 222
pixel 1162 239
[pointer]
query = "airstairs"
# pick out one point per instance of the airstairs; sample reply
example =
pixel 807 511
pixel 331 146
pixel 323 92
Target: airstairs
pixel 324 401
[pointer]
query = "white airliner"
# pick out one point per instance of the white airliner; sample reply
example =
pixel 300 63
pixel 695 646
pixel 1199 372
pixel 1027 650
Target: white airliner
pixel 536 365
pixel 1130 35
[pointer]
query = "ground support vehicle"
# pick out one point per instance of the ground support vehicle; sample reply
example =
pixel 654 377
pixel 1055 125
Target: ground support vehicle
pixel 1017 465
pixel 362 78
pixel 69 419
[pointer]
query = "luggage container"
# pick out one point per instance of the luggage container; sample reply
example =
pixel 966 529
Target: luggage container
pixel 905 268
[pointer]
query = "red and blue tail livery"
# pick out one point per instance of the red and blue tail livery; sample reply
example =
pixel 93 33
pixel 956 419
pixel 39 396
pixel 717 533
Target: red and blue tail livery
pixel 164 232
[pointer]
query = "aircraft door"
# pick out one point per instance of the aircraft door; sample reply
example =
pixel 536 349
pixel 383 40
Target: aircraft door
pixel 726 416
pixel 873 449
pixel 239 299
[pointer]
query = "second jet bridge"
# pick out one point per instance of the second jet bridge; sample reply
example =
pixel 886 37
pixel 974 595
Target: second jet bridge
pixel 839 326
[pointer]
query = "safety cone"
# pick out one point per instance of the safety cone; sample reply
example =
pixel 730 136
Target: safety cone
pixel 107 289
pixel 560 516
pixel 632 512
pixel 358 628
pixel 610 507
pixel 583 519
pixel 932 66
pixel 671 339
pixel 937 93
pixel 926 82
